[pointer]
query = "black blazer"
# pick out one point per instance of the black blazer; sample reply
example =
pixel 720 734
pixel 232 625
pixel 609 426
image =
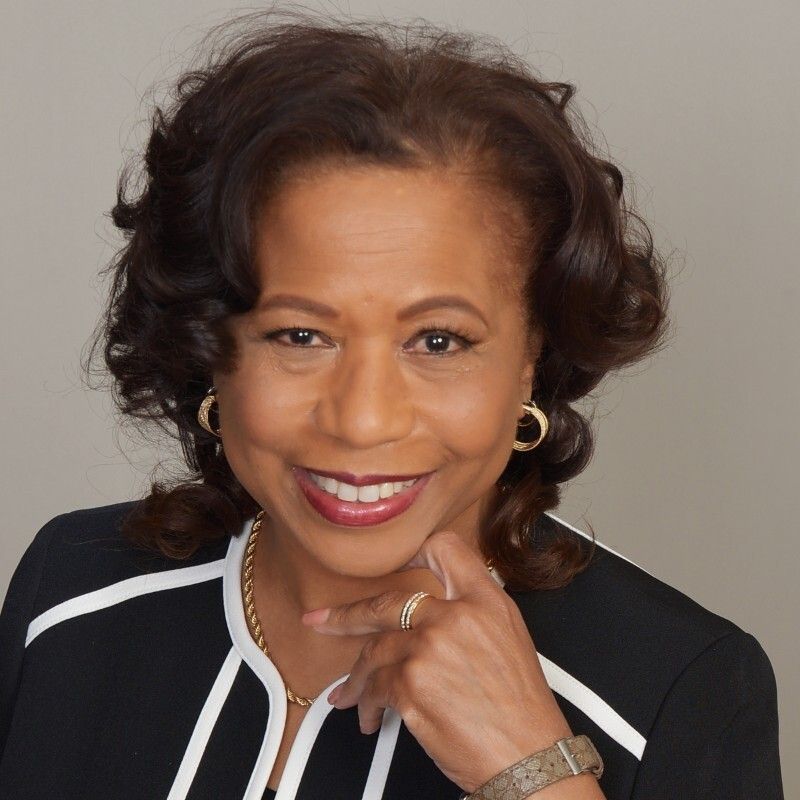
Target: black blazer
pixel 124 674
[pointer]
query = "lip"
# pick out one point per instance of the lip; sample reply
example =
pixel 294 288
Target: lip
pixel 363 480
pixel 354 514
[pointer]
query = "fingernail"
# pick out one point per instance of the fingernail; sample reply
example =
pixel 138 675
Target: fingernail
pixel 333 696
pixel 316 617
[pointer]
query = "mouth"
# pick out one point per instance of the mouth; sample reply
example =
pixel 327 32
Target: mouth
pixel 363 502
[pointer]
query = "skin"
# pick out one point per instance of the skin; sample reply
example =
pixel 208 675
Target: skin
pixel 365 392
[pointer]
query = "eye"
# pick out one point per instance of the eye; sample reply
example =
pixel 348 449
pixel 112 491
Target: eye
pixel 299 337
pixel 439 339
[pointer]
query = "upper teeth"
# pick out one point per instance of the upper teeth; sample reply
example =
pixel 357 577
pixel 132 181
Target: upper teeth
pixel 362 494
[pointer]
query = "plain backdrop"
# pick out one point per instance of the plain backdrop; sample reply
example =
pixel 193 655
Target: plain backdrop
pixel 695 472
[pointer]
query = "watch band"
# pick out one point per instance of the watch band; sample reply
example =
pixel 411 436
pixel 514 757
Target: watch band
pixel 569 756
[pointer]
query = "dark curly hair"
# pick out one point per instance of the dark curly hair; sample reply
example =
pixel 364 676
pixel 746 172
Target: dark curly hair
pixel 283 92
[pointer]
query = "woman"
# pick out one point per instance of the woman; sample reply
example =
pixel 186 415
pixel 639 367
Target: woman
pixel 368 273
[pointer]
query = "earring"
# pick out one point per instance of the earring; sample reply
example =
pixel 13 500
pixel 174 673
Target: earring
pixel 532 409
pixel 205 407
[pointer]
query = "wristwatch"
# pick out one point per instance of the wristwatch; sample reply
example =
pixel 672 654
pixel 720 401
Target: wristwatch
pixel 568 756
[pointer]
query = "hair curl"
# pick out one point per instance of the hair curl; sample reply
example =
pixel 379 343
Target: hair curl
pixel 287 92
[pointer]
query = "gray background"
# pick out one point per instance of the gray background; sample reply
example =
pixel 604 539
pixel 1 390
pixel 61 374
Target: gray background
pixel 696 451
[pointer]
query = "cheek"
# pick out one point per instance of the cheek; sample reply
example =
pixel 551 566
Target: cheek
pixel 258 421
pixel 475 422
pixel 256 447
pixel 258 409
pixel 257 438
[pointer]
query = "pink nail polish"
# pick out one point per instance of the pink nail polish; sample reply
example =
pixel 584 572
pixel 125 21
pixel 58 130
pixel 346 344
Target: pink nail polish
pixel 317 616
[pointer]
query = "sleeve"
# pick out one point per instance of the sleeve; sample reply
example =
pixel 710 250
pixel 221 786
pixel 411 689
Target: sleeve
pixel 14 619
pixel 716 733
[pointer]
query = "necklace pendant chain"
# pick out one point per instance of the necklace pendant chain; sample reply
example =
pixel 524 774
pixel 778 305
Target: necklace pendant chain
pixel 251 615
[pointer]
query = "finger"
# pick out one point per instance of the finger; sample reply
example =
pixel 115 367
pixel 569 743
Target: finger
pixel 376 698
pixel 371 615
pixel 459 567
pixel 379 651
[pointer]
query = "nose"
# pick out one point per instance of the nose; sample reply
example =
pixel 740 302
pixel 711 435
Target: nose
pixel 366 402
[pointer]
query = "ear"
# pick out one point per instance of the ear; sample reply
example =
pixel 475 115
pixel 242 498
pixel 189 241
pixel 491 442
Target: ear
pixel 533 349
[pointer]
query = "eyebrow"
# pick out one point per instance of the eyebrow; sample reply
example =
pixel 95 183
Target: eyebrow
pixel 419 307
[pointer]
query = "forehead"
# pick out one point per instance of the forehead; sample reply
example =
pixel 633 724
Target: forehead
pixel 386 233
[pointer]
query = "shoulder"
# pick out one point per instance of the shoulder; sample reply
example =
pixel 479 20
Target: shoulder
pixel 624 641
pixel 625 604
pixel 636 602
pixel 89 612
pixel 77 563
pixel 84 550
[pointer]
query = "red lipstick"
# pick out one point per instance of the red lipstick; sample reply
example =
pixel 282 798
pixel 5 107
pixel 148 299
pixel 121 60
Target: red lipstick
pixel 356 514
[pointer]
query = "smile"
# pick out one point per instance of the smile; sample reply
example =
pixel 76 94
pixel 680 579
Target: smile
pixel 346 504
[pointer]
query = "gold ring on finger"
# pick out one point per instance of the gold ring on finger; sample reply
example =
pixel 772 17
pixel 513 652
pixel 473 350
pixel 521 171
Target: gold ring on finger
pixel 408 609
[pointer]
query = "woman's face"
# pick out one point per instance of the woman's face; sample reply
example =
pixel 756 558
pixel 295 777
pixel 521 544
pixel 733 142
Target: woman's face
pixel 352 361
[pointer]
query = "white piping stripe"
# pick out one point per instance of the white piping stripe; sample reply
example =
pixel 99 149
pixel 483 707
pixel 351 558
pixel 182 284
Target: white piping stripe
pixel 593 706
pixel 597 541
pixel 121 591
pixel 268 674
pixel 262 667
pixel 582 697
pixel 301 747
pixel 382 757
pixel 204 725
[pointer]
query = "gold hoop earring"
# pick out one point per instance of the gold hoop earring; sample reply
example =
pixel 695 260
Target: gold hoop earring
pixel 205 407
pixel 536 413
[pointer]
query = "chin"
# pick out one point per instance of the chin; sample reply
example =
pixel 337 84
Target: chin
pixel 361 567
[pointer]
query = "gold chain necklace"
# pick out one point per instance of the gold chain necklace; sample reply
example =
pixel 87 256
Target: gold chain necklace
pixel 253 622
pixel 250 605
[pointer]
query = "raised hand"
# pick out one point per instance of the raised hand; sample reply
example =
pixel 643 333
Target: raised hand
pixel 466 679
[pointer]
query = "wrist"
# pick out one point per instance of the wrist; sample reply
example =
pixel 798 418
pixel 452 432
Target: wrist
pixel 520 745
